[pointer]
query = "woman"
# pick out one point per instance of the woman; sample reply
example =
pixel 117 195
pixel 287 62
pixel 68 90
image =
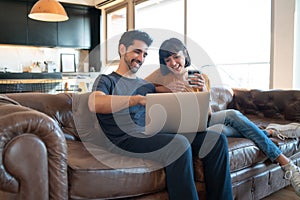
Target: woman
pixel 172 77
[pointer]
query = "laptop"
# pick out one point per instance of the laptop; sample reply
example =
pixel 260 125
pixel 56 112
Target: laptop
pixel 185 112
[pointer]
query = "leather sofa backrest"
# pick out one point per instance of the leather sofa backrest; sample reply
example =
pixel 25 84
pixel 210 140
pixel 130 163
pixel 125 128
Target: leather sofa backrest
pixel 277 104
pixel 58 107
pixel 220 98
pixel 71 112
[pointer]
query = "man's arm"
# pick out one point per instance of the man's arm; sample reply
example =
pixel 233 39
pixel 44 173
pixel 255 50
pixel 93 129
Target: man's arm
pixel 99 102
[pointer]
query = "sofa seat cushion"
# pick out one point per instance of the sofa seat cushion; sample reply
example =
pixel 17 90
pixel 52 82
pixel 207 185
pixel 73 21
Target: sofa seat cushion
pixel 263 122
pixel 99 174
pixel 244 153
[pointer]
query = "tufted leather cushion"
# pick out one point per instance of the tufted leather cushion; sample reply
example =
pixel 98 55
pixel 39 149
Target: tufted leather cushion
pixel 220 98
pixel 58 107
pixel 275 104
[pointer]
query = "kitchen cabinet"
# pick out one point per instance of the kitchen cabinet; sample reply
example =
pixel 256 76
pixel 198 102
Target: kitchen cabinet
pixel 18 28
pixel 13 22
pixel 41 33
pixel 75 31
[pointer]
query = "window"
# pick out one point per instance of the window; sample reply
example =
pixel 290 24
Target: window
pixel 166 21
pixel 116 24
pixel 160 14
pixel 236 35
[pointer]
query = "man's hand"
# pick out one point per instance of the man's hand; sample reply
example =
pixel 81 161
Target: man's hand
pixel 137 99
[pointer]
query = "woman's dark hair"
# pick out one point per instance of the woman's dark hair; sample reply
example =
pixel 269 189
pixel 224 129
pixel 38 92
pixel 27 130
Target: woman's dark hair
pixel 128 37
pixel 170 47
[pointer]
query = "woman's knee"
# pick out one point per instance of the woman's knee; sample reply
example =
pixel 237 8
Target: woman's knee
pixel 233 113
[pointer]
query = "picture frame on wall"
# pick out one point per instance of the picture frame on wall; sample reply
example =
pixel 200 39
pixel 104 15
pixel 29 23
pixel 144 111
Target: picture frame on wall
pixel 67 62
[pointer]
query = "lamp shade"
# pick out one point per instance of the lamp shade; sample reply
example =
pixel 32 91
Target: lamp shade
pixel 48 11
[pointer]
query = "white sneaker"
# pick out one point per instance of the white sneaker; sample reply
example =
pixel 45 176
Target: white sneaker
pixel 291 130
pixel 292 173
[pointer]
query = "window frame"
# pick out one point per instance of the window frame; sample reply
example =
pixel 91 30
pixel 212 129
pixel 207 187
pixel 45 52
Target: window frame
pixel 106 12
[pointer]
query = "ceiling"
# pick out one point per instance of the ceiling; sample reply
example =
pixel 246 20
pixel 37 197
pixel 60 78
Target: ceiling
pixel 81 2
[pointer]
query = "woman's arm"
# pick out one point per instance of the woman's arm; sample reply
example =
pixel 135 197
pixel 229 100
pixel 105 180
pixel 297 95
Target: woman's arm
pixel 175 86
pixel 99 102
pixel 162 89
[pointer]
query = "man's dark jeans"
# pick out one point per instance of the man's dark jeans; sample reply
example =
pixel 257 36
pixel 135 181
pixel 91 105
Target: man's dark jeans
pixel 174 151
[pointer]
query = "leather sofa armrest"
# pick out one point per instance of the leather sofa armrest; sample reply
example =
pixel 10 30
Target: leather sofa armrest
pixel 20 157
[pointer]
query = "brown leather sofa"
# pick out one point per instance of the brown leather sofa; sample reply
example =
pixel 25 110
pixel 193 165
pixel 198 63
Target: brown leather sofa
pixel 51 149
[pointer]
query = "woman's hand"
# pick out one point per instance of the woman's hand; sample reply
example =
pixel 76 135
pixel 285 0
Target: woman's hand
pixel 176 86
pixel 197 82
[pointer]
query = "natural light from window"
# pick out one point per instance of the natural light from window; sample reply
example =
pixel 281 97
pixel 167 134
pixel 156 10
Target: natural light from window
pixel 116 25
pixel 236 35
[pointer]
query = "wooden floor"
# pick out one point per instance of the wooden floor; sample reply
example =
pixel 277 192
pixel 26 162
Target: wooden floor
pixel 286 193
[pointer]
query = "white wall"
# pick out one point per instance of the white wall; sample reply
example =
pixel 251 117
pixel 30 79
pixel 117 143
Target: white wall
pixel 282 50
pixel 296 82
pixel 15 57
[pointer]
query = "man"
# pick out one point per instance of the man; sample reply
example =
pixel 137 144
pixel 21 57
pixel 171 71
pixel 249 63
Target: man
pixel 120 106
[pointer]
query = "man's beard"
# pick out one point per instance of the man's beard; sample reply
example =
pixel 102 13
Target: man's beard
pixel 132 68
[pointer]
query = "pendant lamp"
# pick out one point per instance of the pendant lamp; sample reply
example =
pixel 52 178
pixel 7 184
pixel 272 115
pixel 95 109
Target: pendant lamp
pixel 48 11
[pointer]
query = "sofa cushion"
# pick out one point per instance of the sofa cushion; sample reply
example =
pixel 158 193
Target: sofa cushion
pixel 220 98
pixel 293 111
pixel 275 104
pixel 244 153
pixel 96 173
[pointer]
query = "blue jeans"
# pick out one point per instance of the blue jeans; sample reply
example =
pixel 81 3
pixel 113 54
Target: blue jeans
pixel 232 123
pixel 179 166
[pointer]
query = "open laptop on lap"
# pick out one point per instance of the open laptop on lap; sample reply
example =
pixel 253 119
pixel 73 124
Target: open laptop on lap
pixel 185 112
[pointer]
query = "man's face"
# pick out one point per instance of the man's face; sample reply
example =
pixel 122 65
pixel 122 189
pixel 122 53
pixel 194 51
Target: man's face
pixel 135 55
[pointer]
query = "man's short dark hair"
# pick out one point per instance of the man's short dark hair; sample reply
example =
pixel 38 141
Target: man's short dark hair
pixel 128 37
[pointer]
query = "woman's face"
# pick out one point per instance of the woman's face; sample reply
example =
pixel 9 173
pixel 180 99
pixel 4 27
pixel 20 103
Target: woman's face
pixel 176 62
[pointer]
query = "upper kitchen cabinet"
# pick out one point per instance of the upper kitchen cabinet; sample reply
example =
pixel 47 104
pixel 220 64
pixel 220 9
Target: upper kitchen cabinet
pixel 41 33
pixel 13 22
pixel 75 32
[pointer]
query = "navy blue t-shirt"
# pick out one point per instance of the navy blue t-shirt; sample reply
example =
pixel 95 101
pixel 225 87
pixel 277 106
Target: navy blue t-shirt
pixel 129 121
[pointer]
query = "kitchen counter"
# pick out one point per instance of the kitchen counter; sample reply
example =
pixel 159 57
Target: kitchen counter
pixel 30 82
pixel 28 75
